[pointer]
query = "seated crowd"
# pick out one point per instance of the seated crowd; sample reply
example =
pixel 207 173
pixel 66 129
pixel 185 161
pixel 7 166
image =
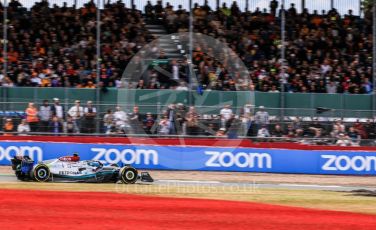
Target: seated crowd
pixel 52 46
pixel 325 53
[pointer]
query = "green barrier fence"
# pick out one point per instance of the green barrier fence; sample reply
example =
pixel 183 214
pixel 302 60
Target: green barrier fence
pixel 210 102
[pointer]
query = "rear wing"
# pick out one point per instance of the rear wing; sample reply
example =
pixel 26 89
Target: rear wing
pixel 22 163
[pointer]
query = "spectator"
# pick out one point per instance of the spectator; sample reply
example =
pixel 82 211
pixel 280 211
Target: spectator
pixel 57 109
pixel 318 134
pixel 221 132
pixel 297 124
pixel 171 114
pixel 164 126
pixel 366 86
pixel 32 117
pixel 246 125
pixel 370 129
pixel 180 119
pixel 135 120
pixel 7 82
pixel 315 128
pixel 249 110
pixel 192 113
pixel 299 133
pixel 192 110
pixel 191 123
pixel 338 128
pixel 263 132
pixel 76 112
pixel 141 84
pixel 182 86
pixel 35 80
pixel 113 130
pixel 122 121
pixel 331 87
pixel 148 9
pixel 273 89
pixel 23 128
pixel 343 140
pixel 354 137
pixel 148 123
pixel 70 126
pixel 45 113
pixel 56 127
pixel 277 131
pixel 261 117
pixel 273 7
pixel 359 128
pixel 247 119
pixel 109 121
pixel 292 10
pixel 233 126
pixel 290 131
pixel 8 127
pixel 175 70
pixel 226 114
pixel 90 113
pixel 209 130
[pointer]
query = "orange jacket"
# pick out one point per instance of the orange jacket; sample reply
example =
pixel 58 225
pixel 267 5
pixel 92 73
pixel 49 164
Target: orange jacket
pixel 8 127
pixel 32 115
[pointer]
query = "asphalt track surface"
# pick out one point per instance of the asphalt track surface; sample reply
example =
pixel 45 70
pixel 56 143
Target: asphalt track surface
pixel 9 178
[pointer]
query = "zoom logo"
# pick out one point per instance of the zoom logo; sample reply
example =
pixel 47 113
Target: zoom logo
pixel 241 160
pixel 35 153
pixel 127 156
pixel 344 163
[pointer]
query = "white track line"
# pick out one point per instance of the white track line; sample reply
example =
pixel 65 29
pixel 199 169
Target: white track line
pixel 311 185
pixel 190 181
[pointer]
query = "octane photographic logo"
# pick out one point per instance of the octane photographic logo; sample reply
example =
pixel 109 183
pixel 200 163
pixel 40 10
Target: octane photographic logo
pixel 149 62
pixel 34 152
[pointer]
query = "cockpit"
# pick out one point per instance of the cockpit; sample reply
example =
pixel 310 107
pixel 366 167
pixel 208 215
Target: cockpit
pixel 73 158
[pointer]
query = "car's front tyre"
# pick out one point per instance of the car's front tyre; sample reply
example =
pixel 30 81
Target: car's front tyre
pixel 128 175
pixel 41 173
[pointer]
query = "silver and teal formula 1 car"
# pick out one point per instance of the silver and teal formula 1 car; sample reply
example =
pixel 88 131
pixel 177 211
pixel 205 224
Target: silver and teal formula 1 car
pixel 72 169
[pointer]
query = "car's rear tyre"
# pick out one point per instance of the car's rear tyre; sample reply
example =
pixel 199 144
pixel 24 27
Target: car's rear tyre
pixel 41 173
pixel 128 175
pixel 20 175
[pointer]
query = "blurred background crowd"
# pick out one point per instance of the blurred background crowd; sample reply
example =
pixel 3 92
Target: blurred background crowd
pixel 53 118
pixel 55 46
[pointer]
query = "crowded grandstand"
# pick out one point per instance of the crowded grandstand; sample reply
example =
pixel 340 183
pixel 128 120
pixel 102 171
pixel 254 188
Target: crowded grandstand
pixel 52 45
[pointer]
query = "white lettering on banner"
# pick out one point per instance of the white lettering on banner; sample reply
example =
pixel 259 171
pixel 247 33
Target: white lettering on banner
pixel 126 156
pixel 34 152
pixel 344 163
pixel 241 159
